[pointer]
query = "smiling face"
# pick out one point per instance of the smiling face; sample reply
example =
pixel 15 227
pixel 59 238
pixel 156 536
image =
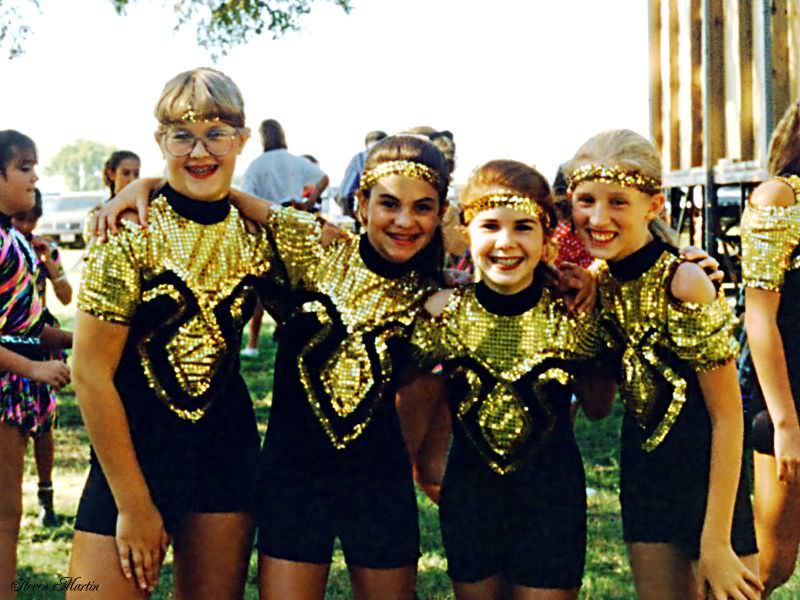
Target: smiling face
pixel 127 170
pixel 401 215
pixel 506 245
pixel 201 175
pixel 17 187
pixel 613 220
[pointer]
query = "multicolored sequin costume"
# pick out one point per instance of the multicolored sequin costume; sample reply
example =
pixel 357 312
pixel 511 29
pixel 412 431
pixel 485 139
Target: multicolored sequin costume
pixel 25 403
pixel 666 430
pixel 184 287
pixel 513 498
pixel 771 261
pixel 334 460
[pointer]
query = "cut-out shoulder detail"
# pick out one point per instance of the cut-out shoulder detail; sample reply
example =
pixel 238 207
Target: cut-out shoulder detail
pixel 691 284
pixel 775 192
pixel 435 304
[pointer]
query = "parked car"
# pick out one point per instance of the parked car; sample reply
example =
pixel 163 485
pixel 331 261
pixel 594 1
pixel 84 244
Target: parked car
pixel 63 216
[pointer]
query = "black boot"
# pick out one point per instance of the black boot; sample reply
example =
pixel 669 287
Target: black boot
pixel 47 515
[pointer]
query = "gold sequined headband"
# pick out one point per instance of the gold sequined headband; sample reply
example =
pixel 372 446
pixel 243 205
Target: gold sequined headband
pixel 616 176
pixel 406 168
pixel 524 204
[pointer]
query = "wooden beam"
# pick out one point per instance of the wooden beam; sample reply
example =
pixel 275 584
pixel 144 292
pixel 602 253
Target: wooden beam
pixel 674 87
pixel 781 95
pixel 656 83
pixel 714 62
pixel 696 92
pixel 746 127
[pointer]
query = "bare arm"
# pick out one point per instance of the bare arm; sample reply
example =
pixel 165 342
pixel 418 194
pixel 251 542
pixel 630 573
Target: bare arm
pixel 57 277
pixel 719 566
pixel 52 372
pixel 319 187
pixel 141 538
pixel 55 338
pixel 595 393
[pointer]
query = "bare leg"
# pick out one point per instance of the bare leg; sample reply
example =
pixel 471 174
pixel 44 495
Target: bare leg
pixel 661 572
pixel 776 508
pixel 491 588
pixel 431 459
pixel 255 326
pixel 44 451
pixel 279 579
pixel 416 403
pixel 212 551
pixel 95 560
pixel 12 451
pixel 383 584
pixel 526 593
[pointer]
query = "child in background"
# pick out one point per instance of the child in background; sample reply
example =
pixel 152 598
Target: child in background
pixel 686 511
pixel 23 339
pixel 119 170
pixel 48 267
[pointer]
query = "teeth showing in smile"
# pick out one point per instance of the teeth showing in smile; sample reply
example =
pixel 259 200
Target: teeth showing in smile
pixel 505 261
pixel 202 170
pixel 602 236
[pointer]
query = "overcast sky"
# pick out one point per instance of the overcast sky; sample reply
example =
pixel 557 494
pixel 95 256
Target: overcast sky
pixel 523 79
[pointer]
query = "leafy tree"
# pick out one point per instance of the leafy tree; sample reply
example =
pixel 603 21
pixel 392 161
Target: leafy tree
pixel 81 164
pixel 221 24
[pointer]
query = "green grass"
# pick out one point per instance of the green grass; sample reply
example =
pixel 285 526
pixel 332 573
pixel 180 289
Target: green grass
pixel 44 554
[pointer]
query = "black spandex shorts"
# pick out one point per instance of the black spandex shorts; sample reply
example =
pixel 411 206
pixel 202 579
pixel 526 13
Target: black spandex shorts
pixel 663 493
pixel 375 520
pixel 529 527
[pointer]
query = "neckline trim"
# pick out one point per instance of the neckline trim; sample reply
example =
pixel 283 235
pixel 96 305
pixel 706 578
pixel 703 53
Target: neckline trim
pixel 199 211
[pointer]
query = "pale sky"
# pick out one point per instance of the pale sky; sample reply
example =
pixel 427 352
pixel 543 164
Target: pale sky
pixel 523 79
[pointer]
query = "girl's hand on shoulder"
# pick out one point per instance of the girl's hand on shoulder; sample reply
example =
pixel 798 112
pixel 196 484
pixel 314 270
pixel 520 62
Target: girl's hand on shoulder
pixel 691 284
pixel 787 454
pixel 708 263
pixel 142 543
pixel 133 197
pixel 722 575
pixel 579 286
pixel 436 302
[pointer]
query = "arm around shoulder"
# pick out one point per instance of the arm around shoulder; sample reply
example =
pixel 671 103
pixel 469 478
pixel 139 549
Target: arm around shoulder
pixel 691 284
pixel 773 193
pixel 436 303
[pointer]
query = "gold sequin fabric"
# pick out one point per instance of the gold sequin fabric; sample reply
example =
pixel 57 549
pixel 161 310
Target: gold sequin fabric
pixel 506 362
pixel 522 203
pixel 770 238
pixel 346 366
pixel 661 336
pixel 406 168
pixel 614 175
pixel 205 273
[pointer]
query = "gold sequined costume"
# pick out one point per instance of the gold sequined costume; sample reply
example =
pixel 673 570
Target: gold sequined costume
pixel 666 430
pixel 771 261
pixel 513 498
pixel 504 364
pixel 184 286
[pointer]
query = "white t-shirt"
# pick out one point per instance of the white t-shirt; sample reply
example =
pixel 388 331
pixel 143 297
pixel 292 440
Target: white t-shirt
pixel 278 176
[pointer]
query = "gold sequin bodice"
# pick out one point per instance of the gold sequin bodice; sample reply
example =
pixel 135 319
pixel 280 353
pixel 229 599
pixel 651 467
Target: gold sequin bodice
pixel 186 290
pixel 664 341
pixel 770 240
pixel 346 365
pixel 503 363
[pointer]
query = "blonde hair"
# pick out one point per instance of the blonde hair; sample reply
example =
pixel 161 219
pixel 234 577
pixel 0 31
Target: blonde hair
pixel 784 146
pixel 201 94
pixel 631 152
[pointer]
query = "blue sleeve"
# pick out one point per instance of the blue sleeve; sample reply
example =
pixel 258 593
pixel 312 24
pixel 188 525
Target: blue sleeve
pixel 352 177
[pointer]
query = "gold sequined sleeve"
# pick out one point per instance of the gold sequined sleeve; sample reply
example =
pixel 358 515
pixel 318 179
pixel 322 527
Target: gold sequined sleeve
pixel 770 235
pixel 427 341
pixel 703 333
pixel 111 283
pixel 297 236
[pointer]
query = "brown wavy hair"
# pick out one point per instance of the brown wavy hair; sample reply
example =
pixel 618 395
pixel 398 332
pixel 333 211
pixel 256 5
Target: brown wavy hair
pixel 784 146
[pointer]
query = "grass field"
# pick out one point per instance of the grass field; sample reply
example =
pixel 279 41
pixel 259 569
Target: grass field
pixel 44 554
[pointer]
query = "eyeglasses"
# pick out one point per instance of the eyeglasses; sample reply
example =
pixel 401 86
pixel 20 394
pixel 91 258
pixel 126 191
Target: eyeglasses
pixel 217 142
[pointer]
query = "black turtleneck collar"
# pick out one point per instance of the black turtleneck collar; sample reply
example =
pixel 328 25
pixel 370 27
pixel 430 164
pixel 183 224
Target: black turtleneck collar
pixel 199 211
pixel 509 305
pixel 5 221
pixel 379 265
pixel 635 265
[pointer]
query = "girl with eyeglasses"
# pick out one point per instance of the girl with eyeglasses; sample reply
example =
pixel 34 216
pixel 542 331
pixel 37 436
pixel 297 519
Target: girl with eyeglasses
pixel 160 318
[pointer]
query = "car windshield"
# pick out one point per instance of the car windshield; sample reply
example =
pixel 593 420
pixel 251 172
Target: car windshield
pixel 63 204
